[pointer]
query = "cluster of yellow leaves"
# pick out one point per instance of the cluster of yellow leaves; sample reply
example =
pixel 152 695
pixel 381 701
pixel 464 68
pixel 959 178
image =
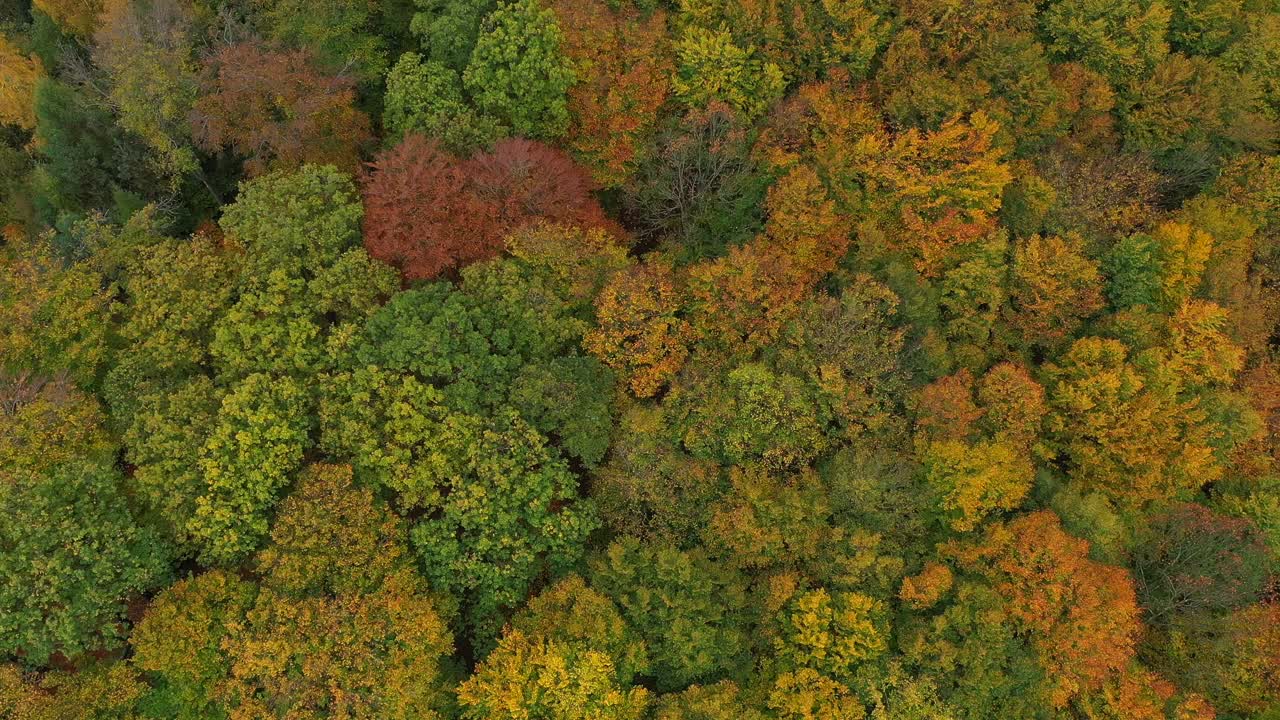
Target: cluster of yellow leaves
pixel 18 85
pixel 638 332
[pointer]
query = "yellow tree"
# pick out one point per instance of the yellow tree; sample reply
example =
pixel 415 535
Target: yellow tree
pixel 18 85
pixel 639 332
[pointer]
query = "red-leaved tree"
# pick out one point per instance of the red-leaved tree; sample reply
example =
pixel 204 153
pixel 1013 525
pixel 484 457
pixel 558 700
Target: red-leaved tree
pixel 429 212
pixel 277 110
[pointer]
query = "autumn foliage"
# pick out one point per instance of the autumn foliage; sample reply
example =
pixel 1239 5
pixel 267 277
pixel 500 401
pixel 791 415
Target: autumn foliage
pixel 429 212
pixel 277 110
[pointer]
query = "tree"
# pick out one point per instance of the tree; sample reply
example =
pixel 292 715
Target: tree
pixel 1082 616
pixel 806 694
pixel 79 17
pixel 100 691
pixel 1013 405
pixel 343 33
pixel 803 39
pixel 568 397
pixel 1055 287
pixel 1122 41
pixel 510 515
pixel 425 96
pixel 518 71
pixel 831 634
pixel 304 276
pixel 973 481
pixel 849 352
pixel 256 444
pixel 384 424
pixel 88 162
pixel 527 677
pixel 572 613
pixel 689 611
pixel 166 430
pixel 700 191
pixel 710 66
pixel 974 652
pixel 74 558
pixel 176 293
pixel 377 654
pixel 448 29
pixel 430 213
pixel 568 655
pixel 622 65
pixel 18 86
pixel 721 701
pixel 752 414
pixel 148 50
pixel 649 488
pixel 639 332
pixel 331 537
pixel 274 109
pixel 1192 560
pixel 182 635
pixel 1121 430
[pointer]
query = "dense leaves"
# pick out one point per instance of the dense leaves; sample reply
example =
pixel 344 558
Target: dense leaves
pixel 639 359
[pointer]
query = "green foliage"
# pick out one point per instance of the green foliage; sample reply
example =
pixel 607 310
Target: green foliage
pixel 518 72
pixel 386 423
pixel 569 398
pixel 752 414
pixel 1120 40
pixel 180 639
pixel 343 32
pixel 449 29
pixel 255 445
pixel 425 96
pixel 681 359
pixel 298 221
pixel 88 163
pixel 711 67
pixel 688 608
pixel 511 514
pixel 831 633
pixel 74 558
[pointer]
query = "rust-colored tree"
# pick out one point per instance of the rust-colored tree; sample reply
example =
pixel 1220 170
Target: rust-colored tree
pixel 623 64
pixel 277 110
pixel 430 213
pixel 1081 615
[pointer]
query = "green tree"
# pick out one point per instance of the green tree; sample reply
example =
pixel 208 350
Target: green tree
pixel 425 96
pixel 528 677
pixel 518 72
pixel 180 639
pixel 1120 40
pixel 74 558
pixel 831 633
pixel 689 609
pixel 331 537
pixel 753 413
pixel 712 67
pixel 973 481
pixel 254 447
pixel 148 50
pixel 448 29
pixel 510 514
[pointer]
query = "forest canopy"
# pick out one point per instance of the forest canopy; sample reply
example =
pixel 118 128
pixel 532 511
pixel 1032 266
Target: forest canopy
pixel 639 359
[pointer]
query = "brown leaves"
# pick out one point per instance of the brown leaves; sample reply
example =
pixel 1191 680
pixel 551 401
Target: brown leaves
pixel 277 110
pixel 430 213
